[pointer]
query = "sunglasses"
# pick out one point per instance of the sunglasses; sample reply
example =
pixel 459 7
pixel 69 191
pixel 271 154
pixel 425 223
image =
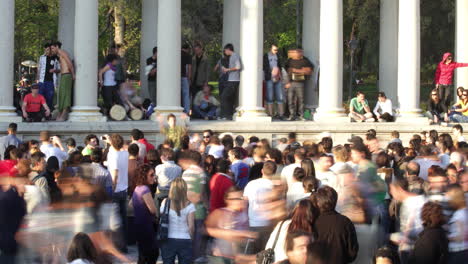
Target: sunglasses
pixel 206 136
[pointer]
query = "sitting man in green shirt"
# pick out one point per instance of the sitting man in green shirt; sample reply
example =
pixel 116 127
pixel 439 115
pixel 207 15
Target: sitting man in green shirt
pixel 172 132
pixel 359 109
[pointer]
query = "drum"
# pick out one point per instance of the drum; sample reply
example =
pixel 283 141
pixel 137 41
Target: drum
pixel 117 112
pixel 136 114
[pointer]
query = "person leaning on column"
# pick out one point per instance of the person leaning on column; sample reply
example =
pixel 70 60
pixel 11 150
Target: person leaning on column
pixel 444 76
pixel 298 68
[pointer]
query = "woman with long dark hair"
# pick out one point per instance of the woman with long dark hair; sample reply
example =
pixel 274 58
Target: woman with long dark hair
pixel 81 250
pixel 302 219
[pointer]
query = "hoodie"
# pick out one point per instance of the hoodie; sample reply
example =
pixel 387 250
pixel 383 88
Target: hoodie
pixel 444 72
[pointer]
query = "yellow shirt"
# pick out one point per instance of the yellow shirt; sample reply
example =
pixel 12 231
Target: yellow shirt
pixel 462 105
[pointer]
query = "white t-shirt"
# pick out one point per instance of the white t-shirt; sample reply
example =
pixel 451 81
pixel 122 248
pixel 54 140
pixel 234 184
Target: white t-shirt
pixel 256 191
pixel 178 225
pixel 50 150
pixel 288 172
pixel 410 220
pixel 118 160
pixel 327 178
pixel 385 107
pixel 424 165
pixel 216 151
pixel 295 192
pixel 280 253
pixel 458 224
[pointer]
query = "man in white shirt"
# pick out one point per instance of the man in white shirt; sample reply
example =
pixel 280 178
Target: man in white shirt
pixel 323 172
pixel 255 193
pixel 288 171
pixel 383 110
pixel 117 164
pixel 457 132
pixel 52 146
pixel 135 136
pixel 166 172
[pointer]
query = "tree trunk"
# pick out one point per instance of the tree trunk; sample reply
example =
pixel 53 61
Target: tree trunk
pixel 119 29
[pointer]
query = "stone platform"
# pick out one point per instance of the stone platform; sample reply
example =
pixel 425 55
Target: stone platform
pixel 271 130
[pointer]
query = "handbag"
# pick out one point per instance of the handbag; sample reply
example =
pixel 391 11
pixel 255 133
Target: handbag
pixel 163 232
pixel 267 256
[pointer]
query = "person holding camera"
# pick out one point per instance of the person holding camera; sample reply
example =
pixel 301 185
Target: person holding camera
pixel 35 107
pixel 205 105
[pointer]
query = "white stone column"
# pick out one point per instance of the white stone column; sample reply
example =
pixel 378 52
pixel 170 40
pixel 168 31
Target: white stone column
pixel 86 64
pixel 311 45
pixel 461 43
pixel 169 56
pixel 331 64
pixel 251 47
pixel 66 29
pixel 7 40
pixel 388 51
pixel 149 39
pixel 409 51
pixel 231 23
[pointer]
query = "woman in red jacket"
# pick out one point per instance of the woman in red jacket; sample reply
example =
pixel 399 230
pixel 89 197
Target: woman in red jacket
pixel 444 76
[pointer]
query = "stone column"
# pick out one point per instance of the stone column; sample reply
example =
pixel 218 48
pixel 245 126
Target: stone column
pixel 461 43
pixel 250 90
pixel 331 68
pixel 66 29
pixel 311 45
pixel 169 56
pixel 231 23
pixel 7 40
pixel 86 64
pixel 388 51
pixel 149 39
pixel 409 44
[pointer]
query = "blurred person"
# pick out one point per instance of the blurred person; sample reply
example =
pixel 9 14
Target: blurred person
pixel 72 167
pixel 71 145
pixel 438 110
pixel 229 226
pixel 204 146
pixel 301 220
pixel 444 75
pixel 197 183
pixel 133 164
pixel 221 181
pixel 431 247
pixel 52 146
pixel 99 175
pixel 457 132
pixel 340 157
pixel 216 148
pixel 458 160
pixel 323 172
pixel 166 172
pixel 296 190
pixel 334 229
pixel 317 253
pixel 37 174
pixel 288 171
pixel 276 156
pixel 255 194
pixel 153 157
pixel 81 250
pixel 409 218
pixel 239 169
pixel 383 109
pixel 309 168
pixel 142 139
pixel 91 142
pixel 272 65
pixel 452 173
pixel 458 225
pixel 51 173
pixel 172 131
pixel 181 224
pixel 359 109
pixel 145 215
pixel 426 159
pixel 209 164
pixel 34 106
pixel 205 105
pixel 9 139
pixel 415 183
pixel 135 136
pixel 386 255
pixel 444 153
pixel 186 76
pixel 46 77
pixel 438 183
pixel 459 111
pixel 296 247
pixel 463 181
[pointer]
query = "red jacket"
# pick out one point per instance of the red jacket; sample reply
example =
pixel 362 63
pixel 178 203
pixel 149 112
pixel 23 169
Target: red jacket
pixel 444 72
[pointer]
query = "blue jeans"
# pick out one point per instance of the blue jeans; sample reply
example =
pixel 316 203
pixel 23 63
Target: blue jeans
pixel 185 94
pixel 7 259
pixel 182 248
pixel 274 90
pixel 458 117
pixel 208 112
pixel 47 90
pixel 120 199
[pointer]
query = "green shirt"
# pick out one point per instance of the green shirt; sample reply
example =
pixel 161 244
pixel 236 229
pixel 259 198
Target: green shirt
pixel 358 107
pixel 367 175
pixel 174 134
pixel 87 151
pixel 196 181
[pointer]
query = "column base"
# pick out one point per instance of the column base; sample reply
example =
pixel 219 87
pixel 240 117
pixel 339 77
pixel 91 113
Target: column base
pixel 8 114
pixel 332 115
pixel 413 116
pixel 251 114
pixel 86 114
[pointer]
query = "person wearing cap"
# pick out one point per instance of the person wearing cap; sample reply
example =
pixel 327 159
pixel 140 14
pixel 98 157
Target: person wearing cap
pixel 33 104
pixel 383 110
pixel 359 109
pixel 9 139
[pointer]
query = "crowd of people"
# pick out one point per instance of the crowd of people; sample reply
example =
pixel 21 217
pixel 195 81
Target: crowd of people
pixel 217 198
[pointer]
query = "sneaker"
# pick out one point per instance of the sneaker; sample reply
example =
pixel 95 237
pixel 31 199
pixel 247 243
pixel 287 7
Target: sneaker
pixel 370 120
pixel 301 118
pixel 291 118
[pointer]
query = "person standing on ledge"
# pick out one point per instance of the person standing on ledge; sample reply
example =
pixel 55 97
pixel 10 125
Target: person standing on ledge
pixel 272 65
pixel 230 94
pixel 444 76
pixel 298 68
pixel 172 131
pixel 67 76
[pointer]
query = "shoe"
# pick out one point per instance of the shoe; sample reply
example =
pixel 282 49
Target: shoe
pixel 370 120
pixel 382 120
pixel 301 118
pixel 291 118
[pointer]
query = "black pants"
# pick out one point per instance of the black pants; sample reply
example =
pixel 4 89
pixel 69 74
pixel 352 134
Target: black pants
pixel 147 256
pixel 445 94
pixel 229 99
pixel 110 96
pixel 387 117
pixel 35 116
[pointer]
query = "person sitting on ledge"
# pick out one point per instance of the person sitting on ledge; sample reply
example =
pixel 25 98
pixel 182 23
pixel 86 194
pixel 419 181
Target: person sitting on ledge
pixel 459 112
pixel 32 103
pixel 359 109
pixel 436 108
pixel 205 105
pixel 383 110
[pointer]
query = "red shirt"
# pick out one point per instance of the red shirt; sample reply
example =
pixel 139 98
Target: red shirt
pixel 33 104
pixel 8 168
pixel 219 184
pixel 444 72
pixel 148 145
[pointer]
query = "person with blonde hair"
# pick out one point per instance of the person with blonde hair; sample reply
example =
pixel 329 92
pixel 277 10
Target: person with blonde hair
pixel 181 224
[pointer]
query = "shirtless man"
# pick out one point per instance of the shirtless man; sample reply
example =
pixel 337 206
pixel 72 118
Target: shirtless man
pixel 67 72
